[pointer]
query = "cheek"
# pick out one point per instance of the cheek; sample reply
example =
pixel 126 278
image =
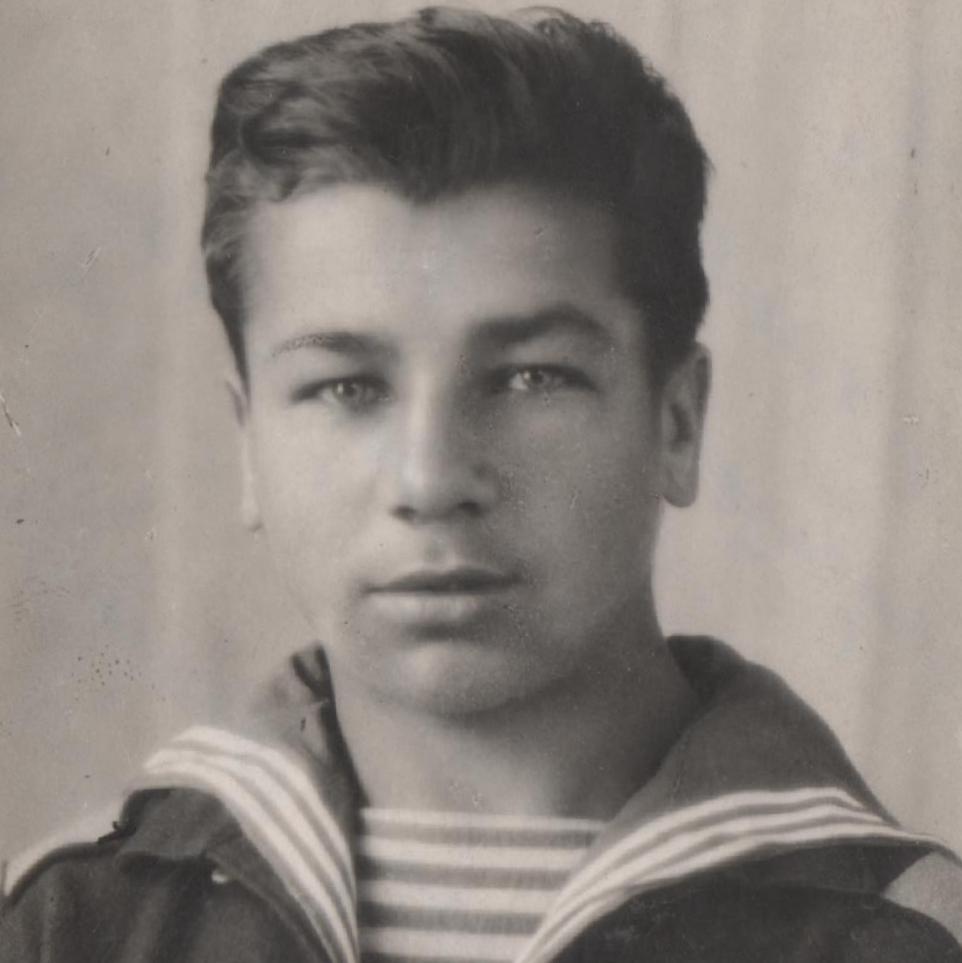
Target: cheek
pixel 304 471
pixel 590 501
pixel 310 504
pixel 604 465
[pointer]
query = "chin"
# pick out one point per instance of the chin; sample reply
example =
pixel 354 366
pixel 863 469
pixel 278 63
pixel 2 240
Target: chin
pixel 458 680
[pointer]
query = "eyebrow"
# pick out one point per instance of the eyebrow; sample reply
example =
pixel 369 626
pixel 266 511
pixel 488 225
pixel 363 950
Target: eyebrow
pixel 501 331
pixel 346 343
pixel 557 319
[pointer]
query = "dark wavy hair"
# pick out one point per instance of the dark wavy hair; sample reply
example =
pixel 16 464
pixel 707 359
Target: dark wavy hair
pixel 449 99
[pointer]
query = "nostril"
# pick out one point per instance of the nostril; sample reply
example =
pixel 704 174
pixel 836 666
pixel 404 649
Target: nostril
pixel 432 512
pixel 405 513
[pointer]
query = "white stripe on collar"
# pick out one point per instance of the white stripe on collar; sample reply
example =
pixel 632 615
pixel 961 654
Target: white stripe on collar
pixel 274 800
pixel 284 766
pixel 701 837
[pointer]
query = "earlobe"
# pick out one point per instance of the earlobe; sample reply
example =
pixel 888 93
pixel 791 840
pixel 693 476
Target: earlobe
pixel 249 508
pixel 683 402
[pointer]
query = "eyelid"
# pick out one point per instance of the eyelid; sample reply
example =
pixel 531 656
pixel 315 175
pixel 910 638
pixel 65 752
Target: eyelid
pixel 315 388
pixel 572 377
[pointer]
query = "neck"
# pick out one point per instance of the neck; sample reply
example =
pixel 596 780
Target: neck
pixel 580 749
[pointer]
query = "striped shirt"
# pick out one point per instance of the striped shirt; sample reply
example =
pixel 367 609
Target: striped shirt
pixel 458 886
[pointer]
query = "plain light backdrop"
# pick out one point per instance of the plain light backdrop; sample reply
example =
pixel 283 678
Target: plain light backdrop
pixel 827 540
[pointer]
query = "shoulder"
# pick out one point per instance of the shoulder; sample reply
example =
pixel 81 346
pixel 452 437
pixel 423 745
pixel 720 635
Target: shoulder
pixel 732 920
pixel 148 889
pixel 152 827
pixel 68 899
pixel 73 837
pixel 78 893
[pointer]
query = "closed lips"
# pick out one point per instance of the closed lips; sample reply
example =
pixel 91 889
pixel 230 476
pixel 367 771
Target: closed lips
pixel 454 580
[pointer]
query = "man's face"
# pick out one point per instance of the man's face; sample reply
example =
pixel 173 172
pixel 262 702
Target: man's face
pixel 451 440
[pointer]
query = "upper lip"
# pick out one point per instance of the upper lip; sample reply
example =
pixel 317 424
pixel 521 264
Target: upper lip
pixel 460 578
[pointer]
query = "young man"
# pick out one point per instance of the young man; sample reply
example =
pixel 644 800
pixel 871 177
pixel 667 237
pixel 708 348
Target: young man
pixel 458 262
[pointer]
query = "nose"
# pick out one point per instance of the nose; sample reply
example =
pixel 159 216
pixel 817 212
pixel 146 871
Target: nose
pixel 439 464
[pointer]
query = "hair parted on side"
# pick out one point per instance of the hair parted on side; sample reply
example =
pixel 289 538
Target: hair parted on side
pixel 449 99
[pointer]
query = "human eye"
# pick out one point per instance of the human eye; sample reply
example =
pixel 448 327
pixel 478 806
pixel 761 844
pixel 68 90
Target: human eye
pixel 354 393
pixel 542 378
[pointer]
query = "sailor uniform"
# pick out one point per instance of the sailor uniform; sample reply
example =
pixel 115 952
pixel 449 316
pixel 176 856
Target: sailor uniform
pixel 755 840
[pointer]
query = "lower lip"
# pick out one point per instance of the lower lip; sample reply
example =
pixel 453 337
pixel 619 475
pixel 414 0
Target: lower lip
pixel 438 608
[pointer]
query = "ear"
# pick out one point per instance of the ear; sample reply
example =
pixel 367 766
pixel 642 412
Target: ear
pixel 681 412
pixel 240 400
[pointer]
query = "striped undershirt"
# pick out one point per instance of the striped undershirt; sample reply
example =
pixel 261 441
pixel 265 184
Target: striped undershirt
pixel 458 886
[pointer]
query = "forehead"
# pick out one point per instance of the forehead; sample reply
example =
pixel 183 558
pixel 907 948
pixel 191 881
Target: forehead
pixel 360 255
